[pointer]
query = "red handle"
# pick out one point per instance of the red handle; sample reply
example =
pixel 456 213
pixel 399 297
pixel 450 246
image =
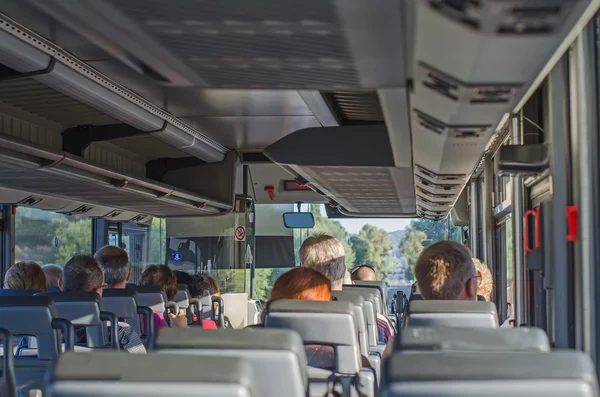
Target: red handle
pixel 572 223
pixel 269 190
pixel 538 227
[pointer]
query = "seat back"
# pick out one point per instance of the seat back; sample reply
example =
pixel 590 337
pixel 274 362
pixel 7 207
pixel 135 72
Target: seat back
pixel 278 354
pixel 497 374
pixel 124 303
pixel 321 323
pixel 182 299
pixel 236 309
pixel 82 309
pixel 381 286
pixel 17 292
pixel 369 297
pixel 472 339
pixel 111 373
pixel 377 302
pixel 53 288
pixel 461 314
pixel 8 382
pixel 360 316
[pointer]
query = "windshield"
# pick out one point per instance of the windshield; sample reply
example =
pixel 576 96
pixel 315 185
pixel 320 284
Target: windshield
pixel 391 246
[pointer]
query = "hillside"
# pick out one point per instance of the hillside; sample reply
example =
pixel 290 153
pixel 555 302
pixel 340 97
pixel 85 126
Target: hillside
pixel 396 237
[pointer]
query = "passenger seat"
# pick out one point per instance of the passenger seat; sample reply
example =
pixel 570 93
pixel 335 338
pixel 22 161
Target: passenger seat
pixel 8 382
pixel 446 313
pixel 124 303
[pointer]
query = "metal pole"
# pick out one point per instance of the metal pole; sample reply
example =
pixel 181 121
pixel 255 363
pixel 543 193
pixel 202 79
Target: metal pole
pixel 488 210
pixel 518 202
pixel 473 221
pixel 8 238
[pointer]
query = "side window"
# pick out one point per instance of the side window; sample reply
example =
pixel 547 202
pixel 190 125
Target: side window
pixel 49 237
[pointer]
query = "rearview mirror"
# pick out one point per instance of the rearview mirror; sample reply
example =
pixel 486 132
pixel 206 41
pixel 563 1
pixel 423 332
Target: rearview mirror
pixel 298 220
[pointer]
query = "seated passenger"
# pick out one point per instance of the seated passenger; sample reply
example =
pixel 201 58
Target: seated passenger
pixel 307 284
pixel 197 288
pixel 163 276
pixel 25 275
pixel 326 255
pixel 115 265
pixel 83 274
pixel 214 291
pixel 363 273
pixel 445 271
pixel 485 281
pixel 53 273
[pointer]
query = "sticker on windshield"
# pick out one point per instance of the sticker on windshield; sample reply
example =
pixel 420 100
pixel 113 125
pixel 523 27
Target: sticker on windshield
pixel 240 233
pixel 176 257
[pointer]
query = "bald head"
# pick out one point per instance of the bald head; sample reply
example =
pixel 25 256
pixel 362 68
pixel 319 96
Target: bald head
pixel 364 273
pixel 115 265
pixel 53 273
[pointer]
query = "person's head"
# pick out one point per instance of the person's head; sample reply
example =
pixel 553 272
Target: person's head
pixel 445 271
pixel 115 264
pixel 25 275
pixel 197 285
pixel 82 273
pixel 326 255
pixel 53 273
pixel 364 273
pixel 160 276
pixel 302 283
pixel 485 282
pixel 214 286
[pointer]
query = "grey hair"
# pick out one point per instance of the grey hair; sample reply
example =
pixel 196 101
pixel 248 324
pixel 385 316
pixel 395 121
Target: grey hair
pixel 82 274
pixel 326 255
pixel 115 264
pixel 53 273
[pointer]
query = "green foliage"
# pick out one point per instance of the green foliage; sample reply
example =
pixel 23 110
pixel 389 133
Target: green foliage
pixel 412 246
pixel 372 247
pixel 73 238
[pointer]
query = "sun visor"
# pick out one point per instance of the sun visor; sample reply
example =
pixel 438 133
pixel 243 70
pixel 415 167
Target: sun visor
pixel 346 146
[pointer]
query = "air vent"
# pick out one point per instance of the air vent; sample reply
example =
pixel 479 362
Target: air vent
pixel 113 214
pixel 434 195
pixel 440 82
pixel 429 123
pixel 492 94
pixel 438 177
pixel 436 186
pixel 463 11
pixel 83 209
pixel 469 132
pixel 354 108
pixel 29 201
pixel 533 17
pixel 433 203
pixel 138 219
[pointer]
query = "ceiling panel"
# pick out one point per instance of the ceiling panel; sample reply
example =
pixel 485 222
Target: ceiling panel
pixel 148 147
pixel 250 132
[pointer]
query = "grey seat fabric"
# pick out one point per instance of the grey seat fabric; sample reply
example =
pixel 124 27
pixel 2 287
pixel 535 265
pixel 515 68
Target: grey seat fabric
pixel 381 286
pixel 472 339
pixel 124 303
pixel 185 302
pixel 361 318
pixel 278 355
pixel 112 373
pixel 324 323
pixel 497 374
pixel 8 382
pixel 17 292
pixel 35 316
pixel 84 309
pixel 156 299
pixel 370 297
pixel 377 302
pixel 445 313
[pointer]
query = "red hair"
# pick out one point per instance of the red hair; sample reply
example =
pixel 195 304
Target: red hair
pixel 302 283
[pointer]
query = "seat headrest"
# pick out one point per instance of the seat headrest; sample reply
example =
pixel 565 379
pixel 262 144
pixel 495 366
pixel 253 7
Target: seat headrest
pixel 18 292
pixel 183 287
pixel 36 300
pixel 349 296
pixel 452 313
pixel 325 323
pixel 119 293
pixel 149 289
pixel 496 374
pixel 473 339
pixel 120 373
pixel 72 296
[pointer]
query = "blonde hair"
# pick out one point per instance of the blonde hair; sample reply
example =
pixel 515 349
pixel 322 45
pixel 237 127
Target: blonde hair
pixel 25 275
pixel 326 255
pixel 443 269
pixel 486 283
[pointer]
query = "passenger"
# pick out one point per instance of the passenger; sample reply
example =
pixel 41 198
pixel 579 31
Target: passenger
pixel 364 273
pixel 197 288
pixel 53 273
pixel 485 281
pixel 215 291
pixel 25 275
pixel 445 271
pixel 307 284
pixel 84 274
pixel 115 264
pixel 326 255
pixel 163 276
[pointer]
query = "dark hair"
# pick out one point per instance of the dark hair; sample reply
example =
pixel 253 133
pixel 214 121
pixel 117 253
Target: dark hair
pixel 196 283
pixel 115 264
pixel 82 273
pixel 161 276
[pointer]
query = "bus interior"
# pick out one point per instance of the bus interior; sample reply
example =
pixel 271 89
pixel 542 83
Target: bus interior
pixel 215 137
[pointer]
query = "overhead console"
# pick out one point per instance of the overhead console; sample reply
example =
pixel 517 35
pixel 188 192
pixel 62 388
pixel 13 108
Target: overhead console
pixel 351 165
pixel 469 71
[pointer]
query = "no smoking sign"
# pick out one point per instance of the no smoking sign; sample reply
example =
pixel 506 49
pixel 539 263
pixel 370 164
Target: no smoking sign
pixel 240 233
